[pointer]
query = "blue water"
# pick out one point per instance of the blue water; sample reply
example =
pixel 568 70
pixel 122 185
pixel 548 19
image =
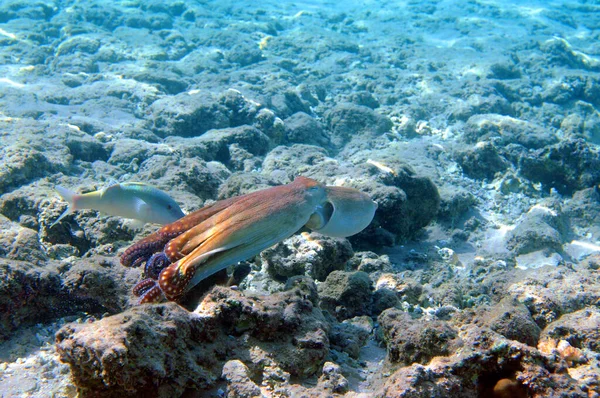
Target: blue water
pixel 475 125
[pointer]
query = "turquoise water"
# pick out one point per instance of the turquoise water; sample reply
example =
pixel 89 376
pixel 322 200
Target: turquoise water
pixel 474 126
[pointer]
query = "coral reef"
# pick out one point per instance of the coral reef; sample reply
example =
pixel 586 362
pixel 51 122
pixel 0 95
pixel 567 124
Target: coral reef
pixel 164 344
pixel 475 126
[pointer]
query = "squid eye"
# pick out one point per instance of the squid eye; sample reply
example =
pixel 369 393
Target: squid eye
pixel 346 212
pixel 320 217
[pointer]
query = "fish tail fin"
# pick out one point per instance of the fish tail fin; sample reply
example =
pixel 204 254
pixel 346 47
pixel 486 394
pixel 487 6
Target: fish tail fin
pixel 69 197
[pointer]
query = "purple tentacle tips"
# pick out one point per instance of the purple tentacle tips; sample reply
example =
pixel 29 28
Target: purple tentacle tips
pixel 156 264
pixel 148 291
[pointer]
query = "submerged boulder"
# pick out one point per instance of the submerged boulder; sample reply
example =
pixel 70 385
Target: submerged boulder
pixel 568 166
pixel 312 254
pixel 166 346
pixel 411 340
pixel 301 128
pixel 346 294
pixel 348 121
pixel 512 319
pixel 187 115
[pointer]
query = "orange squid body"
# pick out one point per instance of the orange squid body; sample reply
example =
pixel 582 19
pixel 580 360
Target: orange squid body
pixel 232 230
pixel 251 224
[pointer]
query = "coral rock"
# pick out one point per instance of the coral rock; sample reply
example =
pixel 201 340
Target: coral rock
pixel 346 294
pixel 133 352
pixel 312 254
pixel 409 340
pixel 239 384
pixel 512 320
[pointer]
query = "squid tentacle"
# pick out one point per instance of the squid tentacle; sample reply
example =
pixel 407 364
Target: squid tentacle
pixel 200 244
pixel 156 264
pixel 137 254
pixel 143 286
pixel 140 252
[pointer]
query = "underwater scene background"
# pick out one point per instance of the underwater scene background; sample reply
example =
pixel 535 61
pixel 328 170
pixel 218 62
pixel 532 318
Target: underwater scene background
pixel 474 126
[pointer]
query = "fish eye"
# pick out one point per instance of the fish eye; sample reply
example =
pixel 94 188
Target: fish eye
pixel 169 207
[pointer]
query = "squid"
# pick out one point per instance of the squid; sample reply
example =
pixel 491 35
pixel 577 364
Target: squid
pixel 181 254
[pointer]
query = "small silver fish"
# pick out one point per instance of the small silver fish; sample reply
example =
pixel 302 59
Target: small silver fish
pixel 133 200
